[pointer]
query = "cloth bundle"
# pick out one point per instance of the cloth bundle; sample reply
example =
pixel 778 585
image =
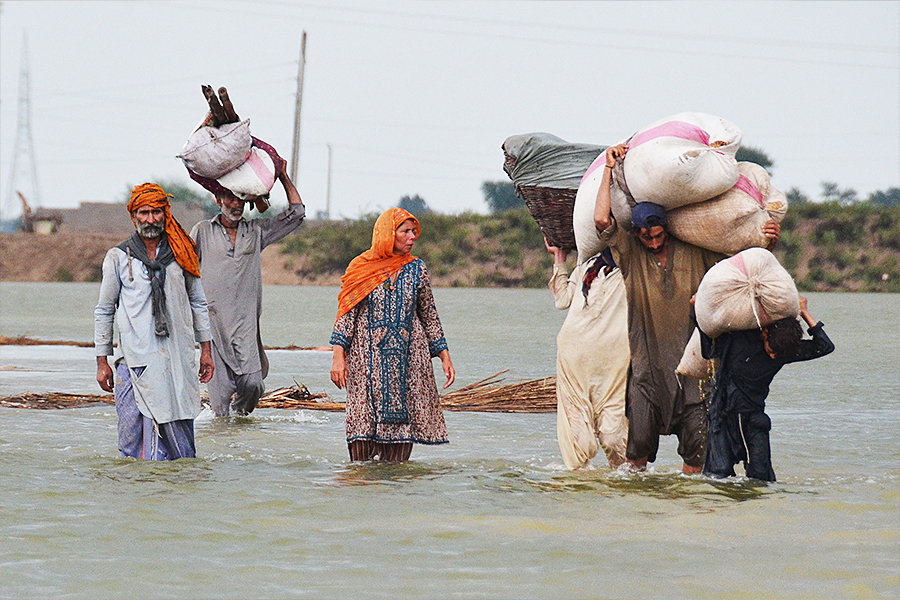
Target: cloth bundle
pixel 229 157
pixel 693 364
pixel 747 291
pixel 544 160
pixel 732 221
pixel 682 159
pixel 214 151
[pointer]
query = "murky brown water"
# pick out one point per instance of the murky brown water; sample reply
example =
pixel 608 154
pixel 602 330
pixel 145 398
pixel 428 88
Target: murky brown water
pixel 273 509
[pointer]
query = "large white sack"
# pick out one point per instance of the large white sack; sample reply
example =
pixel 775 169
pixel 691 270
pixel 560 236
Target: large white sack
pixel 588 240
pixel 682 159
pixel 213 151
pixel 254 177
pixel 732 221
pixel 693 364
pixel 747 291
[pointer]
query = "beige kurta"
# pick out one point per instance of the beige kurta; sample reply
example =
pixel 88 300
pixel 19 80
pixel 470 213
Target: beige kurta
pixel 591 366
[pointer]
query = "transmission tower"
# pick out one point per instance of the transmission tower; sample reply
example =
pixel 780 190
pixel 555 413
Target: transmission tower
pixel 21 175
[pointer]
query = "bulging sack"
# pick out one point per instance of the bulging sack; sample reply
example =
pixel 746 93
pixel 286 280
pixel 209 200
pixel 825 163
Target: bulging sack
pixel 732 221
pixel 693 364
pixel 747 291
pixel 253 177
pixel 682 159
pixel 588 240
pixel 213 151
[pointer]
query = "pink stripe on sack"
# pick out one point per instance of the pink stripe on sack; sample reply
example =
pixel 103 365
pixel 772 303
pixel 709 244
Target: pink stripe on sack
pixel 737 261
pixel 748 187
pixel 678 129
pixel 600 161
pixel 262 171
pixel 759 311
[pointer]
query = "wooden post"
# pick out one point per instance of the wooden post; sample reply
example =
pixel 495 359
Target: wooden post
pixel 295 153
pixel 328 188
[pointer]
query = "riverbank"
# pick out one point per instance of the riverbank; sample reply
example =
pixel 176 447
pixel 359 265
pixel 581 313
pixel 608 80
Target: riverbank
pixel 825 246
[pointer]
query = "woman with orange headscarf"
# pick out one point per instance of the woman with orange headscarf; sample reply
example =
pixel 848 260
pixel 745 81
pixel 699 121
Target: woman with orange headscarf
pixel 386 333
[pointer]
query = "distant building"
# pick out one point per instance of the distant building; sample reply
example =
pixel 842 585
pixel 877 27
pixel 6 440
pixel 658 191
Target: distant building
pixel 112 217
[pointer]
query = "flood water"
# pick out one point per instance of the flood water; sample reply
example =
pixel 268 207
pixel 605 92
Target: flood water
pixel 272 508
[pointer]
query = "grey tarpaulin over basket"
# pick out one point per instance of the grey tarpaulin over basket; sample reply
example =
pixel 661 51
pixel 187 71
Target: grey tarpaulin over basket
pixel 546 171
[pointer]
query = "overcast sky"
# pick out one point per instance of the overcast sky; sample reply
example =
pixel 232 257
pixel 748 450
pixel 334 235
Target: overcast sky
pixel 417 97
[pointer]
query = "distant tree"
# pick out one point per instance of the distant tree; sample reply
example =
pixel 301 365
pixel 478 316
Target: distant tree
pixel 501 196
pixel 414 205
pixel 832 193
pixel 795 196
pixel 889 198
pixel 754 155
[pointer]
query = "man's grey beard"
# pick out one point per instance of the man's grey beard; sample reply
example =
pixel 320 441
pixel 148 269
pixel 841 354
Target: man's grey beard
pixel 151 230
pixel 233 215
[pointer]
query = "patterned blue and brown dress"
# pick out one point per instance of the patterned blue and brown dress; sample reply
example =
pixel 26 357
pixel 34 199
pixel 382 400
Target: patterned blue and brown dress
pixel 389 340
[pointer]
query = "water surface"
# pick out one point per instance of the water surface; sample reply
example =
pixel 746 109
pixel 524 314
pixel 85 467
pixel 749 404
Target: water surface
pixel 272 508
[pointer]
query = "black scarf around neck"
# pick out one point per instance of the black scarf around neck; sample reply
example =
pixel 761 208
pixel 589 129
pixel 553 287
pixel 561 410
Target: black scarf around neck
pixel 134 246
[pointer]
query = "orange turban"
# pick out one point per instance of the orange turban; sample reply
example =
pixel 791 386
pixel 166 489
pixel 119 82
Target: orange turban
pixel 152 195
pixel 376 265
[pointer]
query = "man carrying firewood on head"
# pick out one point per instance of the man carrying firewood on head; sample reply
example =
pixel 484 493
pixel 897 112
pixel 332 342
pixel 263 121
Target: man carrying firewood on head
pixel 230 247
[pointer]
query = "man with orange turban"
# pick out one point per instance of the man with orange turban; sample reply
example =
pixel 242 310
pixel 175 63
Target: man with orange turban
pixel 151 289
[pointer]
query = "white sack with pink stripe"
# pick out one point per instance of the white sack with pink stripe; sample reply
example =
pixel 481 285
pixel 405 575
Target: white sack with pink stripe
pixel 747 291
pixel 254 177
pixel 732 221
pixel 682 159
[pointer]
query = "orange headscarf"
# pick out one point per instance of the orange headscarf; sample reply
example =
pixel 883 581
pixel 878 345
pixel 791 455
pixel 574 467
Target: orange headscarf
pixel 152 195
pixel 374 266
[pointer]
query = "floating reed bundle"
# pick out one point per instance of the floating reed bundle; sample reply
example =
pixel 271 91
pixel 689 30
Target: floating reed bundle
pixel 298 396
pixel 55 400
pixel 535 396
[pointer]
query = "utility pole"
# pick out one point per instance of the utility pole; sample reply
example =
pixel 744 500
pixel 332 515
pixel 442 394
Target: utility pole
pixel 295 154
pixel 328 187
pixel 24 144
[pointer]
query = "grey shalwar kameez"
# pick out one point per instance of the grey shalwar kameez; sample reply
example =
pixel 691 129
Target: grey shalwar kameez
pixel 232 280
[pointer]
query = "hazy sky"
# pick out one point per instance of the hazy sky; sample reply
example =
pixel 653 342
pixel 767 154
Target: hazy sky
pixel 417 97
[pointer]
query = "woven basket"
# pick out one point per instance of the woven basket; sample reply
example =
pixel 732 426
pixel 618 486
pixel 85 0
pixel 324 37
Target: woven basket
pixel 552 208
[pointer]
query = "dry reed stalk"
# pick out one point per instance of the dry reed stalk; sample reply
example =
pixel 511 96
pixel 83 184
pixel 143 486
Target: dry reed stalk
pixel 55 400
pixel 535 396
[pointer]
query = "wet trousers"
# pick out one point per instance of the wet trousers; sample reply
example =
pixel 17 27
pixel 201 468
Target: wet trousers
pixel 140 436
pixel 230 392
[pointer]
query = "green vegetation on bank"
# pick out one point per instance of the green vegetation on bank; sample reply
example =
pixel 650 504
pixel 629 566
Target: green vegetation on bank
pixel 826 246
pixel 467 250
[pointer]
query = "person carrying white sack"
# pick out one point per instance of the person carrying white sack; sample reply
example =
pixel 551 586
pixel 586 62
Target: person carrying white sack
pixel 229 248
pixel 591 359
pixel 660 275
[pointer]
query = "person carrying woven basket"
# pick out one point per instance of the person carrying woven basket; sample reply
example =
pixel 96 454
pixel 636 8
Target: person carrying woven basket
pixel 386 333
pixel 592 359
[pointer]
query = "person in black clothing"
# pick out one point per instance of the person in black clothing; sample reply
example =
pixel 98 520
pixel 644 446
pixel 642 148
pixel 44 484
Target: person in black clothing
pixel 748 361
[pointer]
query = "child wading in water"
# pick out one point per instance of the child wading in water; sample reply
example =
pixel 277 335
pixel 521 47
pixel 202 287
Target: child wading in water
pixel 749 360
